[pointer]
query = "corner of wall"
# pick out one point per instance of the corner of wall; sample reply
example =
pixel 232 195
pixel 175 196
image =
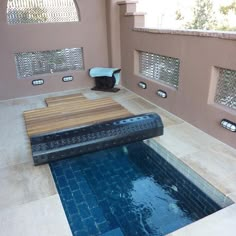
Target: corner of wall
pixel 113 33
pixel 128 9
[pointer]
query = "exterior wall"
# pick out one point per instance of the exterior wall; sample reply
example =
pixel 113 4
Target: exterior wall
pixel 113 29
pixel 193 101
pixel 90 33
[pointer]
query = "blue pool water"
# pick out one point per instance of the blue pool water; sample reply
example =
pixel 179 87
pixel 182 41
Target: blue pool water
pixel 129 187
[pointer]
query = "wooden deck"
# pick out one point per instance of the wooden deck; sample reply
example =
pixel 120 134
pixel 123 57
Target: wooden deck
pixel 61 100
pixel 73 111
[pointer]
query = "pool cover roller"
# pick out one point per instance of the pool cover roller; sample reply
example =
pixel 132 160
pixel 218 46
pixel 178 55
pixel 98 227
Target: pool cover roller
pixel 80 140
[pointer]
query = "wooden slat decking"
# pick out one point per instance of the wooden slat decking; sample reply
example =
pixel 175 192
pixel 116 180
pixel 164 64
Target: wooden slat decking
pixel 72 114
pixel 60 100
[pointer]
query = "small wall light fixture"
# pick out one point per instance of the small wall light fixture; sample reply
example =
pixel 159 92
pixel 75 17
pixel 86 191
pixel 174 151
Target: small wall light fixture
pixel 67 78
pixel 37 82
pixel 229 125
pixel 161 93
pixel 142 85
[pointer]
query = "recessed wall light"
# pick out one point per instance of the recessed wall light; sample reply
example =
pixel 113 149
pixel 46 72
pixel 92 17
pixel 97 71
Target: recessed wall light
pixel 67 78
pixel 37 82
pixel 161 93
pixel 142 85
pixel 229 125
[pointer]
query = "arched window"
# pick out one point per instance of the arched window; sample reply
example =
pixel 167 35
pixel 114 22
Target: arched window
pixel 41 11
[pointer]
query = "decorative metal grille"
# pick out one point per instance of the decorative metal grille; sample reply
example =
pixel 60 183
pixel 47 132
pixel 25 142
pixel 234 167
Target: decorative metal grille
pixel 226 88
pixel 35 63
pixel 41 11
pixel 160 68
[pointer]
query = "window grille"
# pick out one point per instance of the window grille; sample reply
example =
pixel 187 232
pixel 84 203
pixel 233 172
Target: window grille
pixel 41 11
pixel 159 68
pixel 226 88
pixel 37 63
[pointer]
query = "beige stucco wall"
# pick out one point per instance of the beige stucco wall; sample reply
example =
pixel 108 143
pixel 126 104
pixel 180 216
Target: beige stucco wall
pixel 113 29
pixel 193 101
pixel 90 33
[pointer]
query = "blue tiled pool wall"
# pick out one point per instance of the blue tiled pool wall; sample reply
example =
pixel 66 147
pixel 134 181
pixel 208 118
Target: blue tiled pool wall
pixel 190 196
pixel 217 196
pixel 97 192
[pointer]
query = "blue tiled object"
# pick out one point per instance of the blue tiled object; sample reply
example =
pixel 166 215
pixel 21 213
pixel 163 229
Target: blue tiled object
pixel 73 185
pixel 114 232
pixel 91 226
pixel 78 196
pixel 104 227
pixel 84 210
pixel 98 215
pixel 62 181
pixel 131 188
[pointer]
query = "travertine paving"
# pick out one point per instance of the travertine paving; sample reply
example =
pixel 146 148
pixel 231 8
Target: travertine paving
pixel 30 205
pixel 41 217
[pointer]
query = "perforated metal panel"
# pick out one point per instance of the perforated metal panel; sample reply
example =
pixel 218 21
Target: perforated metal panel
pixel 160 68
pixel 41 11
pixel 35 63
pixel 226 88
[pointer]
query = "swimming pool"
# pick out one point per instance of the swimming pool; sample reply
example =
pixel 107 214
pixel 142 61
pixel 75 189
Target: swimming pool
pixel 129 187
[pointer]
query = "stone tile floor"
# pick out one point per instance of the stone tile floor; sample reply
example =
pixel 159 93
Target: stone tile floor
pixel 29 202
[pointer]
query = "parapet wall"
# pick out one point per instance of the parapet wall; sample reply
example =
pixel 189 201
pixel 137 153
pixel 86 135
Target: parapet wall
pixel 200 54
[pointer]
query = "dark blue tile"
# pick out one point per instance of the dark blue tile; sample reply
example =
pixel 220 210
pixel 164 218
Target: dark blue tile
pixel 73 184
pixel 111 219
pixel 55 164
pixel 77 195
pixel 116 232
pixel 69 174
pixel 97 214
pixel 104 205
pixel 76 167
pixel 81 233
pixel 79 177
pixel 91 227
pixel 62 181
pixel 66 194
pixel 99 176
pixel 76 222
pixel 91 201
pixel 103 227
pixel 89 172
pixel 84 211
pixel 71 207
pixel 93 181
pixel 58 171
pixel 123 221
pixel 118 212
pixel 84 188
pixel 100 193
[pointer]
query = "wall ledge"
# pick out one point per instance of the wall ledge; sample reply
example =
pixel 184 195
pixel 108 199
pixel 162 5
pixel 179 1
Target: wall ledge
pixel 199 33
pixel 127 2
pixel 135 14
